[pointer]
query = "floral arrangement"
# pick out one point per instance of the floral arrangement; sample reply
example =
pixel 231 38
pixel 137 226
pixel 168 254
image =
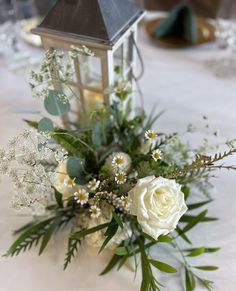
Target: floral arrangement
pixel 109 178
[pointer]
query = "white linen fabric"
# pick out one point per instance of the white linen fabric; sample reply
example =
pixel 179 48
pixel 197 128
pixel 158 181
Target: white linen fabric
pixel 180 82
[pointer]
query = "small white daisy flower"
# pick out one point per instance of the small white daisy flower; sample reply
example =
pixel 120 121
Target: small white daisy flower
pixel 70 183
pixel 95 211
pixel 93 185
pixel 151 135
pixel 81 196
pixel 120 178
pixel 118 162
pixel 157 155
pixel 126 203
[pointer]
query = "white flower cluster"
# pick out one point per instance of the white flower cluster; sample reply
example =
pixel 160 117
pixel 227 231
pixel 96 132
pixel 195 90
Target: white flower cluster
pixel 55 61
pixel 119 164
pixel 28 161
pixel 120 202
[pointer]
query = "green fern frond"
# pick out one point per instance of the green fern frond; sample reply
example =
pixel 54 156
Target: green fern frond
pixel 29 238
pixel 72 250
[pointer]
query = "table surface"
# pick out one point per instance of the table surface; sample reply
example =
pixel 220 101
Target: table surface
pixel 182 83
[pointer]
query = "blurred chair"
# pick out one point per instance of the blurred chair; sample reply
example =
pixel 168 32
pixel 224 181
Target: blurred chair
pixel 207 8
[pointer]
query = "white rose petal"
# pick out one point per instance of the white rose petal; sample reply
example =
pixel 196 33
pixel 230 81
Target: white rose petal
pixel 158 204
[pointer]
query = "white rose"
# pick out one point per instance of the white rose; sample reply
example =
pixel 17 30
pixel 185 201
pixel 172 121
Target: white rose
pixel 158 204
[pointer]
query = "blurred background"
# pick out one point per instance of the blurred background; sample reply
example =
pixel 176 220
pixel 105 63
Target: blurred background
pixel 207 8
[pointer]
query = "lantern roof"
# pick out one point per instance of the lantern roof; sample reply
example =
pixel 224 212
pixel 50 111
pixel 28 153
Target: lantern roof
pixel 95 20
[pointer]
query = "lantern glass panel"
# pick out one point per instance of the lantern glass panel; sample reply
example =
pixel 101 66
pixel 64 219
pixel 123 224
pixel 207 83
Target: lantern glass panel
pixel 71 92
pixel 93 100
pixel 90 71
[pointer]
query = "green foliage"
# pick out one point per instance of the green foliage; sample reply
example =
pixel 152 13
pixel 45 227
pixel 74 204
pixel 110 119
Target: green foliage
pixel 194 221
pixel 49 232
pixel 198 205
pixel 112 263
pixel 72 250
pixel 206 268
pixel 110 232
pixel 121 251
pixel 31 236
pixel 34 232
pixel 56 104
pixel 163 267
pixel 33 124
pixel 117 219
pixel 190 281
pixel 149 282
pixel 189 218
pixel 76 170
pixel 45 125
pixel 81 234
pixel 196 252
pixel 201 162
pixel 68 141
pixel 58 198
pixel 183 235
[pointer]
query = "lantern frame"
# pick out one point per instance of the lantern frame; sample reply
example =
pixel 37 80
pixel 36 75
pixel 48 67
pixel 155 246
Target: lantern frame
pixel 104 50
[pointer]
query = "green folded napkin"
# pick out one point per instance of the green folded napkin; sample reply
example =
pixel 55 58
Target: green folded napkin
pixel 180 23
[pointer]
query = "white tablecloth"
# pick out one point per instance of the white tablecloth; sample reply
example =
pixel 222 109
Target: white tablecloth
pixel 179 81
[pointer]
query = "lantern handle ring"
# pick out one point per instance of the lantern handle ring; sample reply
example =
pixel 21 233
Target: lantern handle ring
pixel 140 59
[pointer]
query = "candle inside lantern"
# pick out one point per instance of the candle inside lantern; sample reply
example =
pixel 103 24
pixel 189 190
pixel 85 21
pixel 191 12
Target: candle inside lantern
pixel 93 100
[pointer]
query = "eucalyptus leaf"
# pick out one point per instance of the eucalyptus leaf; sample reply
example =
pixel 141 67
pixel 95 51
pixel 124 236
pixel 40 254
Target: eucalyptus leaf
pixel 76 170
pixel 45 125
pixel 97 134
pixel 56 104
